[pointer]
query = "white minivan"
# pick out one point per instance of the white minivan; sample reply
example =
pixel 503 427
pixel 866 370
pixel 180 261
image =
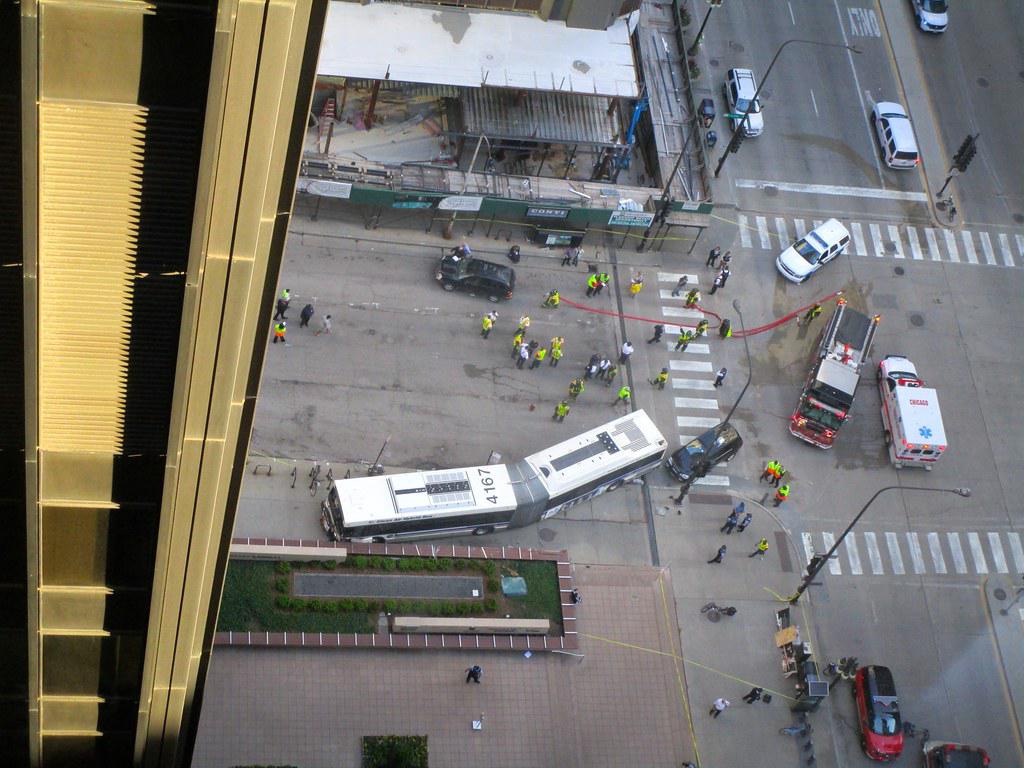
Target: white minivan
pixel 815 249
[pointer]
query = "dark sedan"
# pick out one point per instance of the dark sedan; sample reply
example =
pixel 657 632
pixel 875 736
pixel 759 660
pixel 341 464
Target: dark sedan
pixel 700 455
pixel 476 277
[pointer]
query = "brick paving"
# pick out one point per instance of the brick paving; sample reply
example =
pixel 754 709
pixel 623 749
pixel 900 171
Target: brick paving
pixel 620 705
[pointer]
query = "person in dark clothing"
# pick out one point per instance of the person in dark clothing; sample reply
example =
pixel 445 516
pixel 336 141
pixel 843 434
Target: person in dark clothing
pixel 305 316
pixel 282 307
pixel 730 523
pixel 658 330
pixel 754 695
pixel 718 557
pixel 713 256
pixel 474 673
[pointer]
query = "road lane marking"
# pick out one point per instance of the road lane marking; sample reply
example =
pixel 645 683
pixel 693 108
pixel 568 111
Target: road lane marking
pixel 696 349
pixel 782 229
pixel 835 190
pixel 690 365
pixel 916 556
pixel 719 480
pixel 998 556
pixel 818 223
pixel 968 240
pixel 696 402
pixel 894 552
pixel 894 236
pixel 1020 244
pixel 801 230
pixel 808 541
pixel 1004 246
pixel 1016 550
pixel 858 238
pixel 696 421
pixel 933 244
pixel 702 384
pixel 874 555
pixel 762 232
pixel 986 246
pixel 977 553
pixel 935 547
pixel 959 561
pixel 833 562
pixel 792 18
pixel 876 240
pixel 954 255
pixel 915 244
pixel 744 230
pixel 682 312
pixel 673 277
pixel 814 103
pixel 853 555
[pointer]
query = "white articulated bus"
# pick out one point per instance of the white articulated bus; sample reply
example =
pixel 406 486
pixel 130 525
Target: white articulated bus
pixel 479 500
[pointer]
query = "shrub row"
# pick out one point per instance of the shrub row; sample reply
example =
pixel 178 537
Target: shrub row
pixel 407 607
pixel 382 563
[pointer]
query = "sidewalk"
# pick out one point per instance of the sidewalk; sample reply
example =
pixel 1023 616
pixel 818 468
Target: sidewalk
pixel 1002 594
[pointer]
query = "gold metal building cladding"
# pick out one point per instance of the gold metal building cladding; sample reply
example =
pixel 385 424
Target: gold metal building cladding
pixel 155 161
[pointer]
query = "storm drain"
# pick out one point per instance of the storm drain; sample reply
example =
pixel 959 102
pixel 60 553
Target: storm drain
pixel 382 585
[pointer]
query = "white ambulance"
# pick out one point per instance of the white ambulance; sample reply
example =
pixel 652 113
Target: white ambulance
pixel 910 414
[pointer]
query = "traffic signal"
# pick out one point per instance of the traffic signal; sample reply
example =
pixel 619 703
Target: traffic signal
pixel 966 153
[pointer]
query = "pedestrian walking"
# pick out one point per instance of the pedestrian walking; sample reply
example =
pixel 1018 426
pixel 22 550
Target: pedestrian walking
pixel 280 328
pixel 781 494
pixel 680 285
pixel 556 355
pixel 610 375
pixel 780 472
pixel 730 523
pixel 602 367
pixel 282 307
pixel 769 471
pixel 557 342
pixel 571 257
pixel 514 254
pixel 592 282
pixel 474 673
pixel 624 395
pixel 716 284
pixel 725 274
pixel 685 337
pixel 701 329
pixel 719 707
pixel 538 357
pixel 532 346
pixel 517 341
pixel 713 256
pixel 627 350
pixel 486 324
pixel 720 376
pixel 524 324
pixel 809 315
pixel 575 389
pixel 754 695
pixel 683 490
pixel 636 284
pixel 762 548
pixel 524 355
pixel 325 325
pixel 660 380
pixel 726 259
pixel 305 316
pixel 592 367
pixel 692 298
pixel 561 411
pixel 552 300
pixel 719 556
pixel 747 520
pixel 659 329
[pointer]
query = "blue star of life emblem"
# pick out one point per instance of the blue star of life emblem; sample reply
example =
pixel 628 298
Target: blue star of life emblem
pixel 925 432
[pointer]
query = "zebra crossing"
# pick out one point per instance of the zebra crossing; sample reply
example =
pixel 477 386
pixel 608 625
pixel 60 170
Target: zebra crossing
pixel 691 372
pixel 900 554
pixel 898 241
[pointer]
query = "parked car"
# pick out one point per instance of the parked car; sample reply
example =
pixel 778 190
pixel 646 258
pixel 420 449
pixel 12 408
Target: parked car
pixel 813 251
pixel 740 87
pixel 476 276
pixel 931 15
pixel 878 713
pixel 700 455
pixel 895 135
pixel 944 754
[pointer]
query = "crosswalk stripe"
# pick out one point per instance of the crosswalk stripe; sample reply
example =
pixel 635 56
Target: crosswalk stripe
pixel 692 349
pixel 681 312
pixel 1020 244
pixel 998 556
pixel 818 223
pixel 873 554
pixel 833 564
pixel 718 480
pixel 933 244
pixel 968 240
pixel 895 556
pixel 857 231
pixel 762 232
pixel 916 556
pixel 853 555
pixel 935 547
pixel 1004 246
pixel 693 384
pixel 673 277
pixel 691 365
pixel 954 255
pixel 808 541
pixel 798 225
pixel 1016 550
pixel 977 553
pixel 894 236
pixel 959 561
pixel 696 421
pixel 783 230
pixel 986 246
pixel 915 244
pixel 697 402
pixel 876 240
pixel 744 230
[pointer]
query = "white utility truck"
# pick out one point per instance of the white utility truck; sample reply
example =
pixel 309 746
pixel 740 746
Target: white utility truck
pixel 910 414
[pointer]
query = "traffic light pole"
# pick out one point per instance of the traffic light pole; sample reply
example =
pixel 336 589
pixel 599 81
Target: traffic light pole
pixel 953 173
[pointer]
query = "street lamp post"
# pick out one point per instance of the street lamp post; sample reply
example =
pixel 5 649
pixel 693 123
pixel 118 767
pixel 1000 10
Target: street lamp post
pixel 450 226
pixel 750 367
pixel 734 141
pixel 815 567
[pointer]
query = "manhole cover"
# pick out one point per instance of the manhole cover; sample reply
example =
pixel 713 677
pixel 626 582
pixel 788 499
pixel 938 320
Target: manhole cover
pixel 899 271
pixel 1019 218
pixel 999 593
pixel 916 320
pixel 738 47
pixel 771 191
pixel 983 82
pixel 546 534
pixel 713 62
pixel 890 246
pixel 714 617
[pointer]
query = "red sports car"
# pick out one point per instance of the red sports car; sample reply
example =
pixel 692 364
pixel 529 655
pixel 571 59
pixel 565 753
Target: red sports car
pixel 878 712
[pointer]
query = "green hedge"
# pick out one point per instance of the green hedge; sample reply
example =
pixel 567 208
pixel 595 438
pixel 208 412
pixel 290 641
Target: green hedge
pixel 394 752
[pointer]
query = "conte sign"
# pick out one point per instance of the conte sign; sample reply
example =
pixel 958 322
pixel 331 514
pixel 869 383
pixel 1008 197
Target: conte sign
pixel 547 213
pixel 460 203
pixel 631 218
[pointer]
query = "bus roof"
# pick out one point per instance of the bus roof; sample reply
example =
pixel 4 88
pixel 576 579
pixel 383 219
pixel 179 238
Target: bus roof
pixel 441 492
pixel 573 462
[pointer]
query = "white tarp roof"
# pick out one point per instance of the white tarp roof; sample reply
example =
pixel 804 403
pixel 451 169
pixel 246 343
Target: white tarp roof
pixel 475 48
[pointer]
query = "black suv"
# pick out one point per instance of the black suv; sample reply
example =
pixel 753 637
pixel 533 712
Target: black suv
pixel 476 276
pixel 697 457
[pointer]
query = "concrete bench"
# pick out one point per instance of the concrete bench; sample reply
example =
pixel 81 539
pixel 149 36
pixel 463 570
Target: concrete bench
pixel 281 552
pixel 468 626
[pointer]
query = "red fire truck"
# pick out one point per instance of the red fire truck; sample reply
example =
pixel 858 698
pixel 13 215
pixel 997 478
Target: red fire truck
pixel 835 370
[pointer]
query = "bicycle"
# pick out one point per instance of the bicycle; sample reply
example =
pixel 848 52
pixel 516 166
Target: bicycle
pixel 802 729
pixel 314 479
pixel 715 612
